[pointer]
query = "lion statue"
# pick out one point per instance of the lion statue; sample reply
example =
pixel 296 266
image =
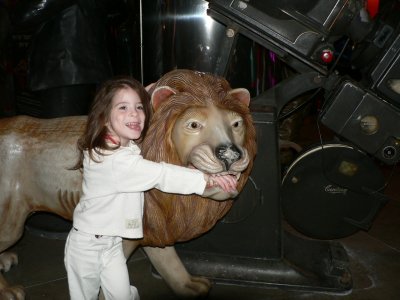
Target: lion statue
pixel 198 121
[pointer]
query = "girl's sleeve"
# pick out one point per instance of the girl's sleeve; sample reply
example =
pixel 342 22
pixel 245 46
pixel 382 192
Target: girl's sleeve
pixel 133 173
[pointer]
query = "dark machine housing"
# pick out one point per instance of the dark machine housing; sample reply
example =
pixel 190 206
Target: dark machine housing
pixel 363 100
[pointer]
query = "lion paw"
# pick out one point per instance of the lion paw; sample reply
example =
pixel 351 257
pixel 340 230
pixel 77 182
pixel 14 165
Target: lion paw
pixel 197 287
pixel 7 260
pixel 12 293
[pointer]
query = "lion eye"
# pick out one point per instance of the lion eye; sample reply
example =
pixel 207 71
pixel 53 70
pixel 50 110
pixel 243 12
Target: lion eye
pixel 237 124
pixel 194 125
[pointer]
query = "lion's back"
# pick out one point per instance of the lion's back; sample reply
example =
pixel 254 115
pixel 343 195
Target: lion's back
pixel 26 126
pixel 40 148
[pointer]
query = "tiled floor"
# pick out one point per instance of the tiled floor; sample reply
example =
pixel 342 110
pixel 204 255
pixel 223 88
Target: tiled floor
pixel 374 264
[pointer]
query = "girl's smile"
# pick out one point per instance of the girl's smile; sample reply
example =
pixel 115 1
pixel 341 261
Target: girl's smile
pixel 127 117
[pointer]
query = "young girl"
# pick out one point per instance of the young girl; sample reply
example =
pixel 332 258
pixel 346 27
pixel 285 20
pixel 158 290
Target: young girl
pixel 115 177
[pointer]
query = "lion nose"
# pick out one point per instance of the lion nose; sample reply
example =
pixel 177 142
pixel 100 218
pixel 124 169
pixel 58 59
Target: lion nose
pixel 228 154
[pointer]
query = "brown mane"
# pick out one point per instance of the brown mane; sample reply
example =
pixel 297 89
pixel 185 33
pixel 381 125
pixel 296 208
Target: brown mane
pixel 173 218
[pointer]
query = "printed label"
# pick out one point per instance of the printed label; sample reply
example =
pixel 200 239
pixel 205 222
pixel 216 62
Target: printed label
pixel 132 223
pixel 331 189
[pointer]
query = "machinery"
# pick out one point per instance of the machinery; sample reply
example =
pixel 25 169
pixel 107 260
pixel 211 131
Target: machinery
pixel 350 53
pixel 309 35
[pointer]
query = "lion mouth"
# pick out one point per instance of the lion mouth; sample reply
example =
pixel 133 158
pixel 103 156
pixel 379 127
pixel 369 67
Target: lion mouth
pixel 213 184
pixel 231 173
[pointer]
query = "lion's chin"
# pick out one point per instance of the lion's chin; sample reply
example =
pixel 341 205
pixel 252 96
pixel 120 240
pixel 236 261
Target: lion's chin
pixel 216 193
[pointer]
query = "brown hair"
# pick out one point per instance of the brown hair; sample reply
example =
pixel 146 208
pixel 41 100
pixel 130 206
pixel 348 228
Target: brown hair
pixel 93 138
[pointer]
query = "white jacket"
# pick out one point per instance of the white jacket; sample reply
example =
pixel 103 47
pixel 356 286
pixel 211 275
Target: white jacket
pixel 113 190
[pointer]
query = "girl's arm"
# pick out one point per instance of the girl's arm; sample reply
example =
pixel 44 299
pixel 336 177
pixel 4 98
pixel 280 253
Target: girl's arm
pixel 133 173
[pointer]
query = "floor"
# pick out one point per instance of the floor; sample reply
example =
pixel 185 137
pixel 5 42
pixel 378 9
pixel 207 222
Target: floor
pixel 374 264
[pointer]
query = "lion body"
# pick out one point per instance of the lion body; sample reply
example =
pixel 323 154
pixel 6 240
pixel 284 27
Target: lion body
pixel 35 155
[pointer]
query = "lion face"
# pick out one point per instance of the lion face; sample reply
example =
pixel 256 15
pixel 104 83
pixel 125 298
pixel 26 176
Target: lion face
pixel 206 127
pixel 211 139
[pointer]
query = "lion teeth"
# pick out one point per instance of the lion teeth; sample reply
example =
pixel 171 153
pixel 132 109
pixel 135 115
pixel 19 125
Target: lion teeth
pixel 237 175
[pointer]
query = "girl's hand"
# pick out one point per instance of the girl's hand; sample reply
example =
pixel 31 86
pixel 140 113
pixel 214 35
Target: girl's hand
pixel 227 183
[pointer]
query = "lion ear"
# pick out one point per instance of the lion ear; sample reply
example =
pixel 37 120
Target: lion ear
pixel 241 94
pixel 160 94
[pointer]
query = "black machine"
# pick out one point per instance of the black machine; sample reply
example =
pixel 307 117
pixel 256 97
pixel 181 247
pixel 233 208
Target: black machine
pixel 362 108
pixel 335 47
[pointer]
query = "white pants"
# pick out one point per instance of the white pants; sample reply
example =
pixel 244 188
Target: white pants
pixel 92 263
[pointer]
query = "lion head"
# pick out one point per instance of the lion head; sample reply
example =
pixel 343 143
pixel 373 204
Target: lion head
pixel 199 121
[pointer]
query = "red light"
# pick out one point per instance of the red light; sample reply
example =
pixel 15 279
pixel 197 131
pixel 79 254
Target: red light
pixel 372 7
pixel 327 56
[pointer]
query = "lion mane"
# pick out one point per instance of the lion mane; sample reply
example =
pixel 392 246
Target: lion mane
pixel 171 218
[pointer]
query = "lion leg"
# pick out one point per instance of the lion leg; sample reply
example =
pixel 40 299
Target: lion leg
pixel 10 293
pixel 7 259
pixel 7 292
pixel 169 265
pixel 129 246
pixel 11 229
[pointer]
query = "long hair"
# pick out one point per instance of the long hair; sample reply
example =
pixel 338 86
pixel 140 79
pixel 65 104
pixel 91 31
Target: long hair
pixel 93 138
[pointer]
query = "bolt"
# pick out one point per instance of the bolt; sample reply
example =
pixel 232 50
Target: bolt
pixel 230 32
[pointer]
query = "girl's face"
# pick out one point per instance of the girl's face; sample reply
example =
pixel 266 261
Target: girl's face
pixel 127 117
